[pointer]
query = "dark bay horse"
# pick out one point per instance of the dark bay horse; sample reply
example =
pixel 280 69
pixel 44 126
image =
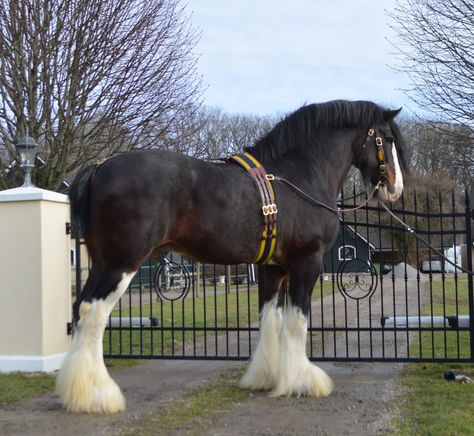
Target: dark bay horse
pixel 147 203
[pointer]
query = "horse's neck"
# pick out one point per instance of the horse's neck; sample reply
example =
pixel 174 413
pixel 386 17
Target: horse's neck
pixel 321 171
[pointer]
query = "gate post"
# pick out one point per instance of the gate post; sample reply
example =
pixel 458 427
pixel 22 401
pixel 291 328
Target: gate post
pixel 35 279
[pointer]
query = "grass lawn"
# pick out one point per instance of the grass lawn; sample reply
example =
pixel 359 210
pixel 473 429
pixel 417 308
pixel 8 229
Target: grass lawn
pixel 19 386
pixel 429 405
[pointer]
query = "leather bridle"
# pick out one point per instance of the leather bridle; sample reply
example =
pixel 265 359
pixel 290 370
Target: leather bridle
pixel 379 154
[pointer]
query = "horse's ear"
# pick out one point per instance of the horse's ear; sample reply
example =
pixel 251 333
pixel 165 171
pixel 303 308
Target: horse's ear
pixel 390 114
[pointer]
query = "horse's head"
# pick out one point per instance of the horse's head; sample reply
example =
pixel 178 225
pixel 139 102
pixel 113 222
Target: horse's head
pixel 379 157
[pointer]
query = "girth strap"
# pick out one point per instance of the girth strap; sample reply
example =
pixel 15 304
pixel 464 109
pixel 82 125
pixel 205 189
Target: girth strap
pixel 269 207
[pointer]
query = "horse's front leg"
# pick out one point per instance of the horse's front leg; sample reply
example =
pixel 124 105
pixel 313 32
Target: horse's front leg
pixel 261 373
pixel 296 375
pixel 83 382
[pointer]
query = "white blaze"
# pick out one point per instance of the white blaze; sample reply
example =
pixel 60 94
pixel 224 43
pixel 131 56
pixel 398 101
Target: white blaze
pixel 398 172
pixel 397 188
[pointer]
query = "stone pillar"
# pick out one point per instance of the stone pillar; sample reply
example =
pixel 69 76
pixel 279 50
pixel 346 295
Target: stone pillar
pixel 35 279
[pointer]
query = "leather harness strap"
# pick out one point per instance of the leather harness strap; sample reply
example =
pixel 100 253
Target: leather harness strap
pixel 269 207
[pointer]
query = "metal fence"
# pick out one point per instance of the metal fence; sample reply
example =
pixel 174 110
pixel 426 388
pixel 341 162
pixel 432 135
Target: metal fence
pixel 383 296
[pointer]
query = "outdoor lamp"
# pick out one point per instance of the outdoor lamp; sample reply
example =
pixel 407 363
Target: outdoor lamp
pixel 27 151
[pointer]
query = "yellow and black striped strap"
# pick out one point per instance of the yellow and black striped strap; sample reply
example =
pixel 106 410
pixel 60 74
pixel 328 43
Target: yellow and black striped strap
pixel 269 207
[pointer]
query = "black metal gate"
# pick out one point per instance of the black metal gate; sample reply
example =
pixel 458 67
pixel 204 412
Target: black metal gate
pixel 383 295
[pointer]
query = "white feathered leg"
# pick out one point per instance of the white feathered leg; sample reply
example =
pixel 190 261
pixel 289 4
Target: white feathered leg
pixel 296 375
pixel 83 382
pixel 262 370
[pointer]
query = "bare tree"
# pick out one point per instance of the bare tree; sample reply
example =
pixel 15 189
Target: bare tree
pixel 440 153
pixel 86 79
pixel 222 134
pixel 435 39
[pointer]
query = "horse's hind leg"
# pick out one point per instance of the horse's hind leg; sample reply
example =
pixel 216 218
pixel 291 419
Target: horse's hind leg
pixel 262 370
pixel 296 375
pixel 83 382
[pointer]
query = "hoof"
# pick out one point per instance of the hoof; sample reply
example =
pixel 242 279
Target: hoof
pixel 258 380
pixel 92 393
pixel 83 383
pixel 309 381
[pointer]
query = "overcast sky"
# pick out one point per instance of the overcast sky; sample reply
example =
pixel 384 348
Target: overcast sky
pixel 272 56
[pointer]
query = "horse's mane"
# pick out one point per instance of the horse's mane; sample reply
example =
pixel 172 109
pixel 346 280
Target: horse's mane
pixel 302 126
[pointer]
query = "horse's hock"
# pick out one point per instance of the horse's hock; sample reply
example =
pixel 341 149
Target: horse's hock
pixel 35 275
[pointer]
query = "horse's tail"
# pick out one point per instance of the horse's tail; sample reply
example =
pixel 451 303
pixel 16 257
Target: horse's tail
pixel 79 200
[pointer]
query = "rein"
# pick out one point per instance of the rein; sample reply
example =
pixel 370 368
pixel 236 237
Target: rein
pixel 319 203
pixel 381 182
pixel 412 232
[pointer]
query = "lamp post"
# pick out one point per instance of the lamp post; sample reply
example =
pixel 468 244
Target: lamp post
pixel 27 151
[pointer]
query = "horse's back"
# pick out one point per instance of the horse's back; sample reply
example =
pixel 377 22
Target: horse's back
pixel 142 176
pixel 160 200
pixel 144 166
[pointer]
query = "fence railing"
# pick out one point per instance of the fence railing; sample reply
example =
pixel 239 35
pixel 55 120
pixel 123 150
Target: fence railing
pixel 383 295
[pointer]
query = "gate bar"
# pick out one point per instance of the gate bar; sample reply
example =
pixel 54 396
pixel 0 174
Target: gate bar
pixel 455 322
pixel 469 216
